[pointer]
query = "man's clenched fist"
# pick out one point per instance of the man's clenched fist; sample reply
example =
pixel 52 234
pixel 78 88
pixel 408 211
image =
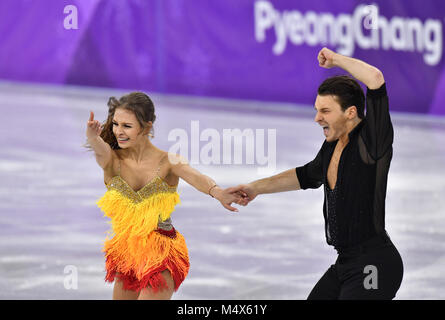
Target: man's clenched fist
pixel 326 58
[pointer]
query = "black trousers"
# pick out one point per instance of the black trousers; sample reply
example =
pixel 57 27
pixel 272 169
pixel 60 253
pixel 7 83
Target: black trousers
pixel 371 271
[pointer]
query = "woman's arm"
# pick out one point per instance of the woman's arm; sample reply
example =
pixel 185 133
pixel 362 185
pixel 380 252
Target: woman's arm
pixel 102 150
pixel 201 182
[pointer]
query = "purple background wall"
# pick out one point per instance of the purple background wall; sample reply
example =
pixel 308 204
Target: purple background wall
pixel 210 48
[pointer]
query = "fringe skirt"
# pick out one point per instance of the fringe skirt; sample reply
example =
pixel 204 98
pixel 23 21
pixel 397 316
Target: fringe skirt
pixel 138 262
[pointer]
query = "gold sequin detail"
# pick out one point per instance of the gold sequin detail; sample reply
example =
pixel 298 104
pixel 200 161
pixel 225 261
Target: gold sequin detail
pixel 157 185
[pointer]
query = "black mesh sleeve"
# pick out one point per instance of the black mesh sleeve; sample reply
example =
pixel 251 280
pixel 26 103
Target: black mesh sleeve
pixel 310 175
pixel 378 133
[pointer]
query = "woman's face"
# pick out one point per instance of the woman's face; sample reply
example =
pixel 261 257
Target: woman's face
pixel 126 128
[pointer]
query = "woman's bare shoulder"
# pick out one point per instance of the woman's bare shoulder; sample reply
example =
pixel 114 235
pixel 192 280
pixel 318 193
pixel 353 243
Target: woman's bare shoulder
pixel 174 158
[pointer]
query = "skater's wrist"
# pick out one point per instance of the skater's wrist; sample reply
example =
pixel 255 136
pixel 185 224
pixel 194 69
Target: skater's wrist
pixel 215 191
pixel 255 187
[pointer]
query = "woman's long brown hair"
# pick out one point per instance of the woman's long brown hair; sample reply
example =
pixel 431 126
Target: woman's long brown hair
pixel 137 102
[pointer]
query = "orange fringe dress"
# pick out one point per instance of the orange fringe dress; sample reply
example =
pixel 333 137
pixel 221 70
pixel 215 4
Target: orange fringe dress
pixel 144 243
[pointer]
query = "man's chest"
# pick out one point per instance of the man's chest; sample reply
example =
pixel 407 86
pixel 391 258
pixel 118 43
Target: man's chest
pixel 334 162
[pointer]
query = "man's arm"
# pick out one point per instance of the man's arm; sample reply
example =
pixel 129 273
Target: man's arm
pixel 284 181
pixel 378 133
pixel 309 176
pixel 369 75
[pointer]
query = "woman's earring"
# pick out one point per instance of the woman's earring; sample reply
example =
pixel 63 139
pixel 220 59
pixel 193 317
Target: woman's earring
pixel 150 134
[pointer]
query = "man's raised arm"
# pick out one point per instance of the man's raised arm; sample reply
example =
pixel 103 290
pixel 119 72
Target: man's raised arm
pixel 369 75
pixel 378 133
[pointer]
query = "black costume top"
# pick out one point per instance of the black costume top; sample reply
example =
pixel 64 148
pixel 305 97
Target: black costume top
pixel 358 200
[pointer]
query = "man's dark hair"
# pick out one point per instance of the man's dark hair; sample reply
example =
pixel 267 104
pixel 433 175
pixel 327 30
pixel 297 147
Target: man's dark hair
pixel 347 92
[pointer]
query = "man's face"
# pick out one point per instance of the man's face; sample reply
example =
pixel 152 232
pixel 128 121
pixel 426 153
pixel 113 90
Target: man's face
pixel 330 117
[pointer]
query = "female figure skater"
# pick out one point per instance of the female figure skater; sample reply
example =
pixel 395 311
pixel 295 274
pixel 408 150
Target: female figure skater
pixel 146 256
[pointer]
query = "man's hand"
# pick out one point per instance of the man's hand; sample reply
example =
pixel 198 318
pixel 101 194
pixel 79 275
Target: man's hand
pixel 228 196
pixel 284 181
pixel 326 58
pixel 246 191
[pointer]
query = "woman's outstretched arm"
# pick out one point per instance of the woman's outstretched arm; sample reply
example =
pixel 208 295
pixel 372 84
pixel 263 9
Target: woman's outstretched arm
pixel 203 183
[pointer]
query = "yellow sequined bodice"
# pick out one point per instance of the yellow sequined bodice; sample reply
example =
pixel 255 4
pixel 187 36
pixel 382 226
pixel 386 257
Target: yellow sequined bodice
pixel 156 185
pixel 137 213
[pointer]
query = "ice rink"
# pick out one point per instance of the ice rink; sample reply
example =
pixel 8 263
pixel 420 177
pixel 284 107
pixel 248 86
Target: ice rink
pixel 274 248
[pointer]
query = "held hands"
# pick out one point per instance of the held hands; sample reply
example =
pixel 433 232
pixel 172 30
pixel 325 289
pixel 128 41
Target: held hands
pixel 93 127
pixel 241 194
pixel 246 191
pixel 226 197
pixel 326 58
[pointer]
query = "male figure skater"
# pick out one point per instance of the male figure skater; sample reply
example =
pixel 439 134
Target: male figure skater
pixel 352 165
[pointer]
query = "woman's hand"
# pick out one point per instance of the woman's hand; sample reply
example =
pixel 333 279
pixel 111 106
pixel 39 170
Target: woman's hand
pixel 93 127
pixel 246 191
pixel 203 183
pixel 227 197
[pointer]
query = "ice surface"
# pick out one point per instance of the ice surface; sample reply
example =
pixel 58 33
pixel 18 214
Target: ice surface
pixel 272 249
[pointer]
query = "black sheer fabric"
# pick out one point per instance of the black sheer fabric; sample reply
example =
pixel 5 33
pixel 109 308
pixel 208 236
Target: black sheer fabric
pixel 331 215
pixel 362 175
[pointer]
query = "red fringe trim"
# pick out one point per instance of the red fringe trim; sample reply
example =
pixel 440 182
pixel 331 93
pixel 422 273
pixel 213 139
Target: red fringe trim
pixel 169 233
pixel 154 279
